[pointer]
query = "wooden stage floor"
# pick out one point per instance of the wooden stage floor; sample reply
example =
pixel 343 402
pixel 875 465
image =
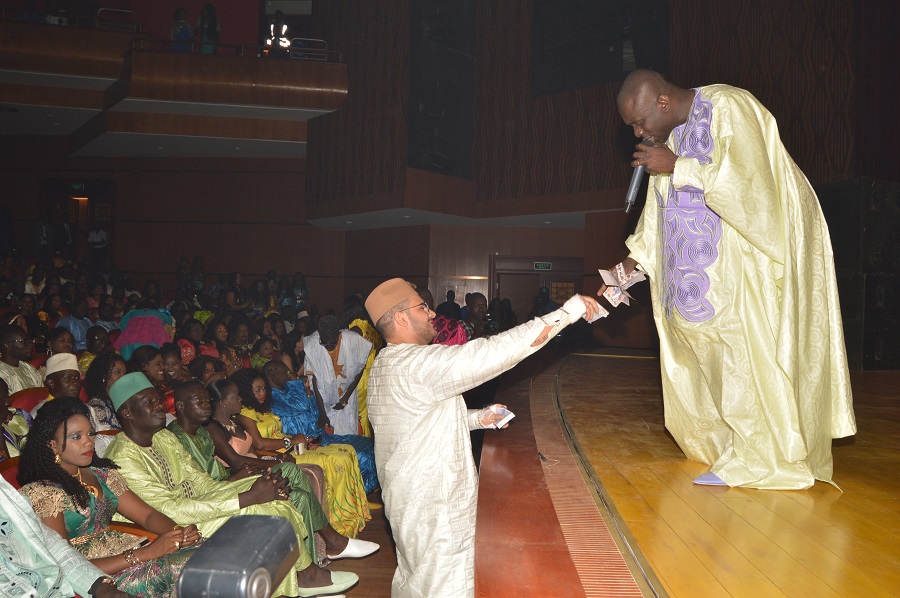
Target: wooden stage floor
pixel 677 539
pixel 707 541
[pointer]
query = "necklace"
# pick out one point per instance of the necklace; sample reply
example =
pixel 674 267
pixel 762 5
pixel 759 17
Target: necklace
pixel 88 487
pixel 230 426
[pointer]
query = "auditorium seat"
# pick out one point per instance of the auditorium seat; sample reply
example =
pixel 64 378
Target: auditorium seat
pixel 10 469
pixel 27 399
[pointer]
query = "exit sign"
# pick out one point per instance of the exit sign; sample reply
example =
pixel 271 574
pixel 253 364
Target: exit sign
pixel 543 266
pixel 77 186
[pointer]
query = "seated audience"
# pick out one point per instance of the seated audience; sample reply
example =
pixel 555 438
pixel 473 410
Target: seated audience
pixel 159 470
pixel 15 351
pixel 292 354
pixel 348 507
pixel 214 345
pixel 76 494
pixel 97 343
pixel 296 407
pixel 189 338
pixel 148 360
pixel 206 369
pixel 209 430
pixel 240 336
pixel 58 340
pixel 103 373
pixel 62 379
pixel 15 424
pixel 145 325
pixel 173 365
pixel 77 323
pixel 263 352
pixel 106 317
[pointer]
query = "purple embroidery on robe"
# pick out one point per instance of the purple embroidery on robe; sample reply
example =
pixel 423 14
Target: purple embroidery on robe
pixel 690 230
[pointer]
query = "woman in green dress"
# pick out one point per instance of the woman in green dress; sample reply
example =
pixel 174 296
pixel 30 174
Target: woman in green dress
pixel 76 493
pixel 205 427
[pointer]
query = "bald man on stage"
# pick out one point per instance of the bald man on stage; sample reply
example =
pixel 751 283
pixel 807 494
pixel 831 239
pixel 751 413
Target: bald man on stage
pixel 732 238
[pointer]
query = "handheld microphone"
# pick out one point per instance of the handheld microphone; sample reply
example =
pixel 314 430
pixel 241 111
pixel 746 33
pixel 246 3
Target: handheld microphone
pixel 636 178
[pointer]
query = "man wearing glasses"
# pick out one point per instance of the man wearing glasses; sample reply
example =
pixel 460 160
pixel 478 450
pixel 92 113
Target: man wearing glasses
pixel 421 425
pixel 15 351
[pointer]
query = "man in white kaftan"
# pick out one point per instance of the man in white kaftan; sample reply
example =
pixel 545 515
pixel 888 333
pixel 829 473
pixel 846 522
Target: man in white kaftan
pixel 421 425
pixel 336 360
pixel 754 369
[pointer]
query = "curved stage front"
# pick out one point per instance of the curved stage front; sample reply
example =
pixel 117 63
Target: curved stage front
pixel 544 525
pixel 587 495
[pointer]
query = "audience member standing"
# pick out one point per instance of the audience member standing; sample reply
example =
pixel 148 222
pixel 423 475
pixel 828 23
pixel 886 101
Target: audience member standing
pixel 42 238
pixel 336 361
pixel 181 34
pixel 449 308
pixel 208 29
pixel 77 323
pixel 278 42
pixel 476 305
pixel 64 237
pixel 98 244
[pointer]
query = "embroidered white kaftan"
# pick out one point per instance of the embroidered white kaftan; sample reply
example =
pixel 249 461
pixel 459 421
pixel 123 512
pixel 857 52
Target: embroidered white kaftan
pixel 754 369
pixel 424 455
pixel 352 355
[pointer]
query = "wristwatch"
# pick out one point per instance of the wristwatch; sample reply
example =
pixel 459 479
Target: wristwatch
pixel 288 443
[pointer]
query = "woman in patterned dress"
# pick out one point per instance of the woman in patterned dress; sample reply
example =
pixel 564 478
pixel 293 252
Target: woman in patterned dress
pixel 76 493
pixel 100 376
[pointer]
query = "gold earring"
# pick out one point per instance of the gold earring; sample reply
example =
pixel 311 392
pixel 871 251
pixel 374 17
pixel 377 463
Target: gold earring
pixel 57 459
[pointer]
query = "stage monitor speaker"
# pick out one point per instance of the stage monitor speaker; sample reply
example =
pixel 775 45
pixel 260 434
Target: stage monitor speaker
pixel 246 558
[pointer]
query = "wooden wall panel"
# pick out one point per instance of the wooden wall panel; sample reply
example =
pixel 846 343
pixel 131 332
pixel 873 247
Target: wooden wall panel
pixel 466 250
pixel 877 155
pixel 244 216
pixel 204 126
pixel 439 193
pixel 554 145
pixel 360 150
pixel 72 50
pixel 796 57
pixel 240 80
pixel 373 256
pixel 212 196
